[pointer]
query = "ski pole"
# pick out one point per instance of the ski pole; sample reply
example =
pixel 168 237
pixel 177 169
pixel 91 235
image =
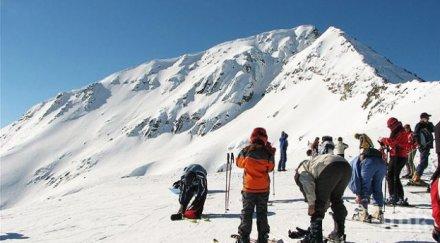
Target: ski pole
pixel 230 174
pixel 226 183
pixel 273 181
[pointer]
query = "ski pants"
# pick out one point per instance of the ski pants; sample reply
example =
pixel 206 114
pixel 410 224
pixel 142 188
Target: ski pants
pixel 283 159
pixel 395 187
pixel 372 173
pixel 424 156
pixel 410 164
pixel 251 201
pixel 330 187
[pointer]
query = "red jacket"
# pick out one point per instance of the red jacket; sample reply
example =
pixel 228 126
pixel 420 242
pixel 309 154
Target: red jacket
pixel 435 202
pixel 398 144
pixel 412 142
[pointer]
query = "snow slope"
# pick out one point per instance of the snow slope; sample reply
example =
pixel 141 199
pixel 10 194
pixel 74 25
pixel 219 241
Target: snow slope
pixel 156 118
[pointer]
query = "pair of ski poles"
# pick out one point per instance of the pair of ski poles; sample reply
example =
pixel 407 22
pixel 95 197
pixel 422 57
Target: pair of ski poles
pixel 229 161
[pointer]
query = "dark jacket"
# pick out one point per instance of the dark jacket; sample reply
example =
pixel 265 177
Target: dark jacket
pixel 423 134
pixel 437 138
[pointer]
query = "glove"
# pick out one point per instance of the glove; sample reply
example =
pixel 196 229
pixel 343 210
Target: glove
pixel 176 184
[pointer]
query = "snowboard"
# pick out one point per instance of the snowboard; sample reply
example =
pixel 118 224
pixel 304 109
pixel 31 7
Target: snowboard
pixel 237 237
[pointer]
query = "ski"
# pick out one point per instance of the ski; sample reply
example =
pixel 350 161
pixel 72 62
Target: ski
pixel 237 238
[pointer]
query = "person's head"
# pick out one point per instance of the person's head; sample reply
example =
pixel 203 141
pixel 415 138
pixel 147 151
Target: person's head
pixel 357 135
pixel 407 128
pixel 424 117
pixel 259 135
pixel 340 139
pixel 317 139
pixel 309 152
pixel 327 147
pixel 393 123
pixel 189 178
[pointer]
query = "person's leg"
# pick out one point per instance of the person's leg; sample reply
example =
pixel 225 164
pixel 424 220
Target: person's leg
pixel 262 223
pixel 390 177
pixel 377 184
pixel 399 187
pixel 424 156
pixel 285 160
pixel 411 157
pixel 245 228
pixel 198 204
pixel 337 204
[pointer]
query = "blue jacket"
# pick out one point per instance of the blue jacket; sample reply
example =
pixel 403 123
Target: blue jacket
pixel 364 172
pixel 283 142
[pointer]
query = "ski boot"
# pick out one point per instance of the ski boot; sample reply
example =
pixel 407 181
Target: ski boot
pixel 361 214
pixel 315 235
pixel 338 233
pixel 402 202
pixel 263 238
pixel 298 233
pixel 392 201
pixel 378 214
pixel 241 239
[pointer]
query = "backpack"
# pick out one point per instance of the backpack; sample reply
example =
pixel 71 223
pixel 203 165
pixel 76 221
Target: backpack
pixel 426 138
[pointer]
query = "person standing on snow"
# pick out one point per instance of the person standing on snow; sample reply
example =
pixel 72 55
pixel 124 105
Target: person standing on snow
pixel 283 151
pixel 437 142
pixel 425 140
pixel 410 168
pixel 257 160
pixel 364 141
pixel 323 180
pixel 341 147
pixel 314 147
pixel 327 146
pixel 192 183
pixel 398 144
pixel 368 172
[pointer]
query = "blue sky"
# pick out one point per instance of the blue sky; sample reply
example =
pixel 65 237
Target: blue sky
pixel 49 46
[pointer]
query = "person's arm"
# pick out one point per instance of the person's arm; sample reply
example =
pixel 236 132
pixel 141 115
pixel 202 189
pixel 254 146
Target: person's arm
pixel 308 185
pixel 271 163
pixel 202 188
pixel 241 159
pixel 346 146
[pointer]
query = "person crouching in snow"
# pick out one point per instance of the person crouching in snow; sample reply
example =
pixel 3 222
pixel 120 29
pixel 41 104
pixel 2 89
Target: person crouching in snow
pixel 257 160
pixel 368 172
pixel 399 149
pixel 323 180
pixel 192 183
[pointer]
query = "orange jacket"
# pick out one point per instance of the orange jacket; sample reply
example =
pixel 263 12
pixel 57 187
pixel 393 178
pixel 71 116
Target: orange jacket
pixel 257 161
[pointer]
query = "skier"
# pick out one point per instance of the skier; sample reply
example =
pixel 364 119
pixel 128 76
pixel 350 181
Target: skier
pixel 283 152
pixel 341 147
pixel 368 172
pixel 326 145
pixel 423 133
pixel 398 144
pixel 314 147
pixel 323 180
pixel 193 182
pixel 435 203
pixel 410 168
pixel 257 160
pixel 364 141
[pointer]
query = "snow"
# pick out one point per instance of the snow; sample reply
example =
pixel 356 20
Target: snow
pixel 137 209
pixel 115 145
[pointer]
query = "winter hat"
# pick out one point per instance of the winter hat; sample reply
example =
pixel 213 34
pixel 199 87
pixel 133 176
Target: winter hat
pixel 392 123
pixel 425 115
pixel 259 134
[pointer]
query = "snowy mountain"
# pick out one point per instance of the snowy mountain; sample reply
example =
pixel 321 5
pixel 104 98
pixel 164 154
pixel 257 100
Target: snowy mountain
pixel 156 118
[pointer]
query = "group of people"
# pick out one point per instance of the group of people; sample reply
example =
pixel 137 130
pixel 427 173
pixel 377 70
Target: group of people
pixel 323 178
